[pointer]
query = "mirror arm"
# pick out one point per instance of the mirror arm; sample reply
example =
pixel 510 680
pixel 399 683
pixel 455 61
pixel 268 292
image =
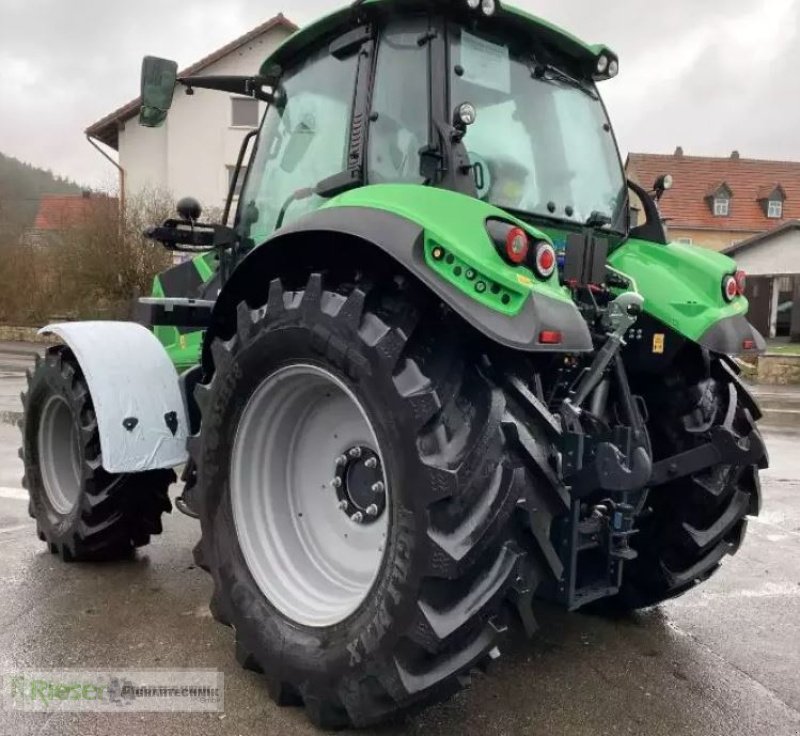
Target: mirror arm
pixel 198 238
pixel 245 86
pixel 653 228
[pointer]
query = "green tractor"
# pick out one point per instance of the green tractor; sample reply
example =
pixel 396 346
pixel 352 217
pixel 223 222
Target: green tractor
pixel 433 373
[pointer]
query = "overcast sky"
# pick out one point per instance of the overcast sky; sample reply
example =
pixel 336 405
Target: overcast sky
pixel 710 75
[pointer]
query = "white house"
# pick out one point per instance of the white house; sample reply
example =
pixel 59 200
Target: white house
pixel 772 263
pixel 195 152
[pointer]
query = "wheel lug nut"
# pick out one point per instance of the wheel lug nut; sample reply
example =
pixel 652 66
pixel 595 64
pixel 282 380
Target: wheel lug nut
pixel 357 517
pixel 372 510
pixel 343 505
pixel 336 482
pixel 341 460
pixel 378 487
pixel 371 463
pixel 355 453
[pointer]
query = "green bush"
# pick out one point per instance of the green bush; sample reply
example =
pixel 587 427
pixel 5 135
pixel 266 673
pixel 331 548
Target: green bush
pixel 92 270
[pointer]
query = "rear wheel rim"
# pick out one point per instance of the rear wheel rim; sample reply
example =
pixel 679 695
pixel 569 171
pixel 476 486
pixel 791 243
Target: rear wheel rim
pixel 60 455
pixel 309 495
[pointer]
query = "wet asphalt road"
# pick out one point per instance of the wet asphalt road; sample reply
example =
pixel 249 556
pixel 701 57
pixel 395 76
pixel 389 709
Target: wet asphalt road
pixel 724 659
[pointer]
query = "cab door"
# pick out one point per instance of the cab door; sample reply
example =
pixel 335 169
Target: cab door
pixel 304 142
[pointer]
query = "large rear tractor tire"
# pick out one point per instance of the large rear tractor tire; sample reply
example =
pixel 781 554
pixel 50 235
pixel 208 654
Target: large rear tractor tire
pixel 694 522
pixel 356 495
pixel 81 511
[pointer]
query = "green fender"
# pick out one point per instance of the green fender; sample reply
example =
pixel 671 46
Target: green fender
pixel 682 287
pixel 410 223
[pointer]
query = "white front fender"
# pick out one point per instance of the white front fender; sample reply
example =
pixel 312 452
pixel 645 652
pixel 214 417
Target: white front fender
pixel 140 412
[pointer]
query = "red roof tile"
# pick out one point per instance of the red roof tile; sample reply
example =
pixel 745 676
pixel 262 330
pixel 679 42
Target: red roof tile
pixel 106 129
pixel 58 211
pixel 686 206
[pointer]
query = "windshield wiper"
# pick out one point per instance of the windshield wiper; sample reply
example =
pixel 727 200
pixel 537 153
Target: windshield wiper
pixel 532 217
pixel 541 71
pixel 595 220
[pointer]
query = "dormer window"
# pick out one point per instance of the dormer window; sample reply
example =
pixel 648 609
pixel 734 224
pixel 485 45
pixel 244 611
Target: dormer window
pixel 722 206
pixel 771 199
pixel 775 209
pixel 719 199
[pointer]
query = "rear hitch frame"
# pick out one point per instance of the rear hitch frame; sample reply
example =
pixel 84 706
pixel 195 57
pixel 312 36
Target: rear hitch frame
pixel 620 460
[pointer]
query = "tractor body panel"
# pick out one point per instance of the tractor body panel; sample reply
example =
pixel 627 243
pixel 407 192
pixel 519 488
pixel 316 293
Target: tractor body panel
pixel 134 387
pixel 682 287
pixel 457 223
pixel 190 279
pixel 407 223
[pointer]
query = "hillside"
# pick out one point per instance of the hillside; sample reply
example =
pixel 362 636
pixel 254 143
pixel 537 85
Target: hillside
pixel 21 186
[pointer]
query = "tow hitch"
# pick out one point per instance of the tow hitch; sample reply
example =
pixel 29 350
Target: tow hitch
pixel 594 540
pixel 618 460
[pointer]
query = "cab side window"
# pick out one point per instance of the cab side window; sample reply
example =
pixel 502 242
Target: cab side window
pixel 302 142
pixel 400 105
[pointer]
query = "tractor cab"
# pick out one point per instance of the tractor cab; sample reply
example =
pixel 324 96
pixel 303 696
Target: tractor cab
pixel 478 98
pixel 451 97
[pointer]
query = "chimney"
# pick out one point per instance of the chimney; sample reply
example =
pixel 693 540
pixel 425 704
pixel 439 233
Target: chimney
pixel 679 151
pixel 735 156
pixel 86 193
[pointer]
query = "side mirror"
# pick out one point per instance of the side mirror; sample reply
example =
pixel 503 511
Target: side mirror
pixel 159 77
pixel 189 209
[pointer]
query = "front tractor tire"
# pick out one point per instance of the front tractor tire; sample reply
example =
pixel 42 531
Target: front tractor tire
pixel 356 496
pixel 82 512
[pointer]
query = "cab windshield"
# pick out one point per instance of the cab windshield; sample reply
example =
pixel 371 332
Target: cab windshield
pixel 541 143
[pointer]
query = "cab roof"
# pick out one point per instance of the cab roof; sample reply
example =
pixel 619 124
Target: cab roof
pixel 352 14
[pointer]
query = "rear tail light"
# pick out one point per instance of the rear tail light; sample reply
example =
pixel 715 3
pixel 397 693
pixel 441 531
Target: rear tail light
pixel 730 288
pixel 550 337
pixel 741 282
pixel 545 263
pixel 517 245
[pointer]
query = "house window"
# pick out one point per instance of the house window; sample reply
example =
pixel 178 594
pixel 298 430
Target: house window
pixel 244 112
pixel 239 181
pixel 686 241
pixel 775 209
pixel 722 206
